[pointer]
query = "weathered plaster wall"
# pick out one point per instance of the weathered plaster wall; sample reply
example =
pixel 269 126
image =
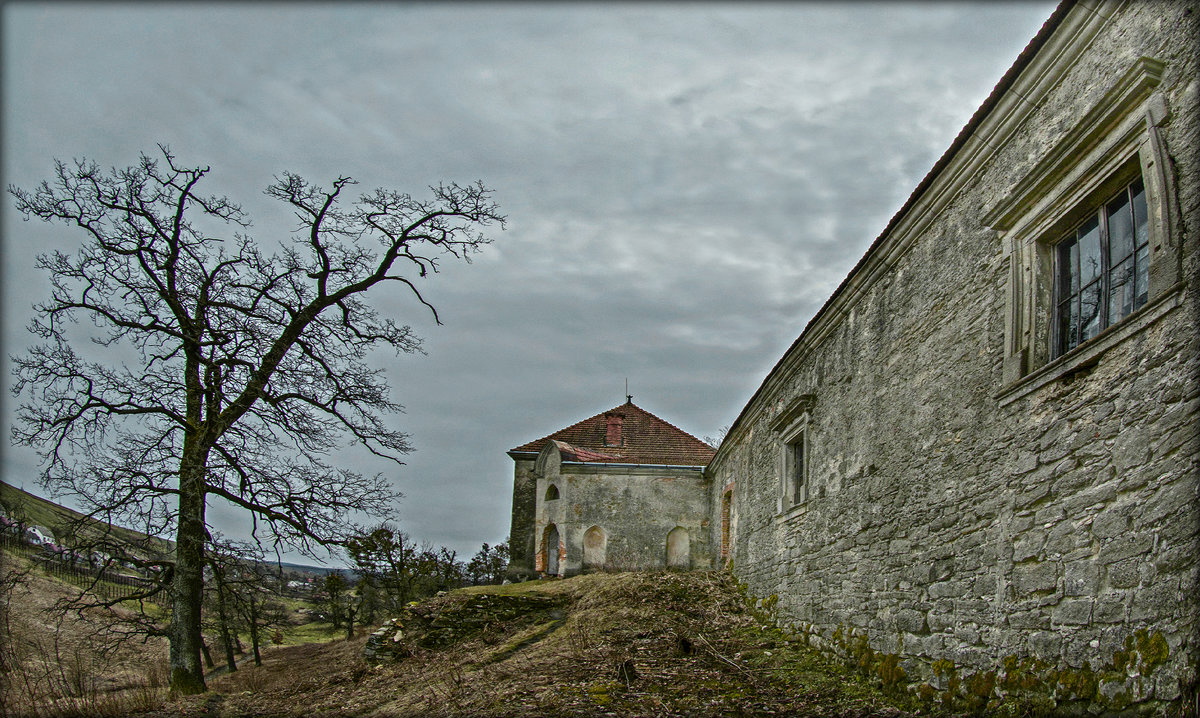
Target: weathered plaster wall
pixel 522 536
pixel 948 520
pixel 636 508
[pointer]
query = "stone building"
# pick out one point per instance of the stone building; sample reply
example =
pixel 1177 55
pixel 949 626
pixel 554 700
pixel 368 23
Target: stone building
pixel 620 490
pixel 981 455
pixel 976 469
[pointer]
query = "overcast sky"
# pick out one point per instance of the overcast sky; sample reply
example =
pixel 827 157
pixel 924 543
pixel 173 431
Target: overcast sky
pixel 685 184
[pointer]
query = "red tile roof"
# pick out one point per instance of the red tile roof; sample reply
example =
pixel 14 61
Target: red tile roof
pixel 646 439
pixel 578 453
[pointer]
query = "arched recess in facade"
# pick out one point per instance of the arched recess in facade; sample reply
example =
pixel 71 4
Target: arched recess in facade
pixel 595 546
pixel 679 548
pixel 552 493
pixel 726 520
pixel 551 551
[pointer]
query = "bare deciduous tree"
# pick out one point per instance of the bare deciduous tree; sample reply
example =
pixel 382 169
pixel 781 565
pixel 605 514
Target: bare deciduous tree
pixel 219 370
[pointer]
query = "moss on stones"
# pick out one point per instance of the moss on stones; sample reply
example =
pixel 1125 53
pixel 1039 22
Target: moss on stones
pixel 1019 686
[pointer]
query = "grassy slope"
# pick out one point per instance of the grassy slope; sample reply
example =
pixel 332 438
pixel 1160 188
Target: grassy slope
pixel 49 653
pixel 661 644
pixel 45 513
pixel 45 653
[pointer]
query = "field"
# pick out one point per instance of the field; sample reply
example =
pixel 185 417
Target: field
pixel 65 664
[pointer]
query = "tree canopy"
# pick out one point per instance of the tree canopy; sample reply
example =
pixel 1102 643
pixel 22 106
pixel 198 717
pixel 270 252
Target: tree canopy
pixel 219 366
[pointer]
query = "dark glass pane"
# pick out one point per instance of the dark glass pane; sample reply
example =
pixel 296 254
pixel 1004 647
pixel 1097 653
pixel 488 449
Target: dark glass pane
pixel 1120 291
pixel 1089 311
pixel 1140 220
pixel 798 470
pixel 1068 325
pixel 1120 229
pixel 1068 269
pixel 1142 277
pixel 1121 273
pixel 1089 251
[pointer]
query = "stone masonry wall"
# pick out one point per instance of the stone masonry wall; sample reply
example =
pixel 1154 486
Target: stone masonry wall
pixel 635 508
pixel 959 533
pixel 522 542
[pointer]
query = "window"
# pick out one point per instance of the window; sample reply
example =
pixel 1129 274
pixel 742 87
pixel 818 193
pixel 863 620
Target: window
pixel 679 549
pixel 726 516
pixel 595 543
pixel 552 493
pixel 1102 269
pixel 1091 235
pixel 795 471
pixel 795 449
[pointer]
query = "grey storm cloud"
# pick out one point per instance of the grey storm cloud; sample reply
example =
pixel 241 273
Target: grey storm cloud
pixel 685 184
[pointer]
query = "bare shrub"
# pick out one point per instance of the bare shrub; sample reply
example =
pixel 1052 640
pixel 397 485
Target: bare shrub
pixel 46 671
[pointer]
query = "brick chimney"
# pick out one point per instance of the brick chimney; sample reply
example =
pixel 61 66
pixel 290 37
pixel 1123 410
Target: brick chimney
pixel 612 434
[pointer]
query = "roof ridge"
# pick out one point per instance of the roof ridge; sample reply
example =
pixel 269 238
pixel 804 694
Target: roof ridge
pixel 661 421
pixel 658 438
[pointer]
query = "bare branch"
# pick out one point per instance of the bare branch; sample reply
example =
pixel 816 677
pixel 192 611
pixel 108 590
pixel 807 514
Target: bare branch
pixel 219 370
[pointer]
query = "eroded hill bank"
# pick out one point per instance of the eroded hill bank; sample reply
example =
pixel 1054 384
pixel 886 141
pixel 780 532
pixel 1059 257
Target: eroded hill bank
pixel 634 644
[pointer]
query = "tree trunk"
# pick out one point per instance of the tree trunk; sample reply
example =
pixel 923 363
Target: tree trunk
pixel 223 617
pixel 254 628
pixel 187 673
pixel 208 661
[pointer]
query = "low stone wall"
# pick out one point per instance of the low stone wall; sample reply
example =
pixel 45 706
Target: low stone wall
pixel 446 620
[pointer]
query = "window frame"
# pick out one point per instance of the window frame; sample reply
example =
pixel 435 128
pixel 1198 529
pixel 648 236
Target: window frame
pixel 1110 146
pixel 794 482
pixel 1066 279
pixel 727 524
pixel 792 428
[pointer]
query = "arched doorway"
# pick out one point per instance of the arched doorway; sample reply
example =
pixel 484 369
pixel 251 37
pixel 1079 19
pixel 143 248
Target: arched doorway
pixel 679 548
pixel 595 544
pixel 550 550
pixel 726 516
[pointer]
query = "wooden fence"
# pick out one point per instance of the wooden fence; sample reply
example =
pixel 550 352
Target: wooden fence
pixel 111 586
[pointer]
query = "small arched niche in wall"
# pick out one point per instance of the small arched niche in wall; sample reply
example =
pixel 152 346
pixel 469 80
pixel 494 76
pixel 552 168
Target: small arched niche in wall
pixel 679 548
pixel 552 493
pixel 595 546
pixel 726 519
pixel 551 551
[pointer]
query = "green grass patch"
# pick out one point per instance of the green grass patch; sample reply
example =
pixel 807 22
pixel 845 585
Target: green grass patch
pixel 315 632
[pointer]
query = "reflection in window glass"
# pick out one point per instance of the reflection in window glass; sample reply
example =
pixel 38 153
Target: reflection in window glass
pixel 1103 269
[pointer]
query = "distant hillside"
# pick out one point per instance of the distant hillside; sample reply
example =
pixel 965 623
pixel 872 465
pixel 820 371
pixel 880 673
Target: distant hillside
pixel 47 514
pixel 632 644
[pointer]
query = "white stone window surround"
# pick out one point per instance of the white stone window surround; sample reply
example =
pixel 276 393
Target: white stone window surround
pixel 1111 146
pixel 792 428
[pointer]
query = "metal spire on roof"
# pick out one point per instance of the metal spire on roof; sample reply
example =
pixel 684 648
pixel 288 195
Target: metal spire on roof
pixel 628 396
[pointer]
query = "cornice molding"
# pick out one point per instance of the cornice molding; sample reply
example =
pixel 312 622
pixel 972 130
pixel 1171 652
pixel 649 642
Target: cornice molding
pixel 798 408
pixel 1122 100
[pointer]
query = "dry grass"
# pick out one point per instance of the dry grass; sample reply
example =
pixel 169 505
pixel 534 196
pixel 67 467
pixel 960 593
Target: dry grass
pixel 52 663
pixel 663 644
